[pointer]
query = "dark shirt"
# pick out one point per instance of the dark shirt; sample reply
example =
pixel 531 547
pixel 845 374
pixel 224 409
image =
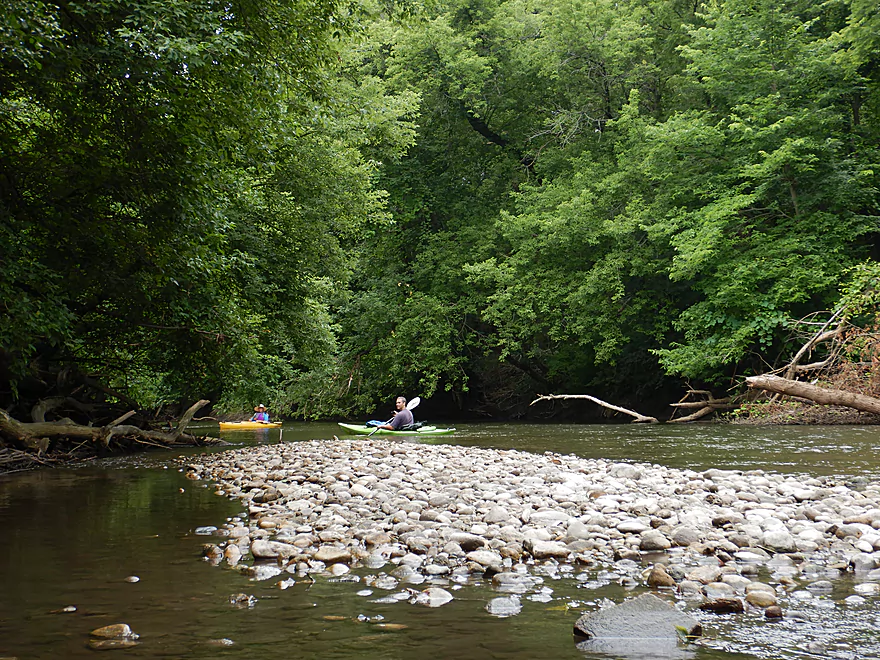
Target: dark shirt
pixel 402 418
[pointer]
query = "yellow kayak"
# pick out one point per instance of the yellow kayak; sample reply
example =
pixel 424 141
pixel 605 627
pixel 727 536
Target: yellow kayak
pixel 241 426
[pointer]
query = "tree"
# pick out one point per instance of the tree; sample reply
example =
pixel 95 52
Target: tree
pixel 178 181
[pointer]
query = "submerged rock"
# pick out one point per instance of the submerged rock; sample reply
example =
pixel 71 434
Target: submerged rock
pixel 724 606
pixel 643 617
pixel 432 597
pixel 114 630
pixel 504 606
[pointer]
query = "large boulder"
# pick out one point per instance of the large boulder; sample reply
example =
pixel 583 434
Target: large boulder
pixel 643 625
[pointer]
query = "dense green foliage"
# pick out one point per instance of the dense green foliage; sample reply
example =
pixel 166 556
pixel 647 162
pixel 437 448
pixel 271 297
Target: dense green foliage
pixel 179 181
pixel 326 205
pixel 603 195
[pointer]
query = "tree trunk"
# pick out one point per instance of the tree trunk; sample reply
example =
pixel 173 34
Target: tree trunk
pixel 814 393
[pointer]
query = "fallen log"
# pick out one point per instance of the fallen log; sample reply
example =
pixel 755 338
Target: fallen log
pixel 31 435
pixel 638 418
pixel 814 393
pixel 702 412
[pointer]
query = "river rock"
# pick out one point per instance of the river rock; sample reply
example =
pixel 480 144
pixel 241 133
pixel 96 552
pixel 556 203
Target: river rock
pixel 547 549
pixel 467 542
pixel 377 538
pixel 233 554
pixel 549 518
pixel 762 599
pixel 779 541
pixel 114 630
pixel 432 597
pixel 685 535
pixel 497 514
pixel 485 558
pixel 704 574
pixel 504 606
pixel 718 590
pixel 632 527
pixel 645 617
pixel 862 563
pixel 653 541
pixel 724 606
pixel 658 577
pixel 262 549
pixel 773 612
pixel 262 572
pixel 625 471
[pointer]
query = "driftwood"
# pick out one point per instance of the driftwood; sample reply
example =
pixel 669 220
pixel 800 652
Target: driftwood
pixel 702 412
pixel 793 368
pixel 38 412
pixel 637 417
pixel 703 407
pixel 36 436
pixel 814 393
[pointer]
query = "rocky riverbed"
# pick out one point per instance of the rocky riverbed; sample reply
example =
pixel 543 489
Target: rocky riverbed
pixel 437 515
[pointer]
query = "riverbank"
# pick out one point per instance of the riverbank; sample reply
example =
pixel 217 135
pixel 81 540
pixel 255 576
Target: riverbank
pixel 437 515
pixel 797 413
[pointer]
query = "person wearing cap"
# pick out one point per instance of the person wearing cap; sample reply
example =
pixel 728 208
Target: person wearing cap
pixel 260 415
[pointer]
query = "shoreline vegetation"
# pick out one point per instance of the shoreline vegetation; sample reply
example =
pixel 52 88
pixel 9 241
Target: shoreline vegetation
pixel 323 205
pixel 43 443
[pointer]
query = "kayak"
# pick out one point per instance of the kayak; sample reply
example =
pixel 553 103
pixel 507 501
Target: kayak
pixel 363 429
pixel 240 426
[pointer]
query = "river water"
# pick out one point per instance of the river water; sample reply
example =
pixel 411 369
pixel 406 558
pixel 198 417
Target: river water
pixel 77 538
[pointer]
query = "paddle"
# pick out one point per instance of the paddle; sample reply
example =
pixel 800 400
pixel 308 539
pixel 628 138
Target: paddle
pixel 415 401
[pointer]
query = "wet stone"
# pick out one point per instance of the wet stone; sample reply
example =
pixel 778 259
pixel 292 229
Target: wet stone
pixel 643 617
pixel 114 630
pixel 504 606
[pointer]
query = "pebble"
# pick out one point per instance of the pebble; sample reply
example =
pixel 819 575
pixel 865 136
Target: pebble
pixel 445 514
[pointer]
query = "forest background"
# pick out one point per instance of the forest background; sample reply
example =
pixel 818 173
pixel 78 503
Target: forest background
pixel 320 204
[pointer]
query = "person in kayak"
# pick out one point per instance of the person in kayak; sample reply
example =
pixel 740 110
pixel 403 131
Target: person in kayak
pixel 260 415
pixel 402 417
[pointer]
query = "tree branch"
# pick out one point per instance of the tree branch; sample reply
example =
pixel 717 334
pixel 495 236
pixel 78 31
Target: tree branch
pixel 637 416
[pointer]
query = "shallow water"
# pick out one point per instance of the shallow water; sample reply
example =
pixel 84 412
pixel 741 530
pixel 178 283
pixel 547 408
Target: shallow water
pixel 72 537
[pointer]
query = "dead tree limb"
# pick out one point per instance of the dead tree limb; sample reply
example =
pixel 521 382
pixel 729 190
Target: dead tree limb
pixel 814 393
pixel 29 435
pixel 819 337
pixel 637 416
pixel 702 412
pixel 38 412
pixel 701 407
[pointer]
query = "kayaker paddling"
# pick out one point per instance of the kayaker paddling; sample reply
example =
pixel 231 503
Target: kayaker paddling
pixel 260 414
pixel 402 417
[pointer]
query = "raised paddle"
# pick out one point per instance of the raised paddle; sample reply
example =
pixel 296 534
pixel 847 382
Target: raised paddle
pixel 415 401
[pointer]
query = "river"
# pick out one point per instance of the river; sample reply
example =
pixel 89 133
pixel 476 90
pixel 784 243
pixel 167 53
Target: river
pixel 78 538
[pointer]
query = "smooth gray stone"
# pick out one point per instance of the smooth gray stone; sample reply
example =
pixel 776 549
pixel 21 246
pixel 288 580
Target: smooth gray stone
pixel 635 649
pixel 641 618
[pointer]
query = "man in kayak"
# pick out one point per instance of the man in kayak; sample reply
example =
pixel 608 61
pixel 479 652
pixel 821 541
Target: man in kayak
pixel 260 415
pixel 402 417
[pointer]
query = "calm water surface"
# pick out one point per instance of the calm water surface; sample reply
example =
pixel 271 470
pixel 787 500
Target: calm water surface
pixel 72 537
